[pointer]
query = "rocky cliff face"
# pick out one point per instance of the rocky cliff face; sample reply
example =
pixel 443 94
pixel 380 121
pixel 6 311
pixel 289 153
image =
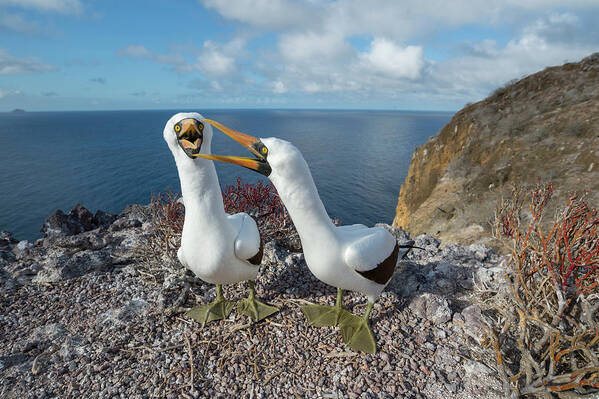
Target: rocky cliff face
pixel 544 126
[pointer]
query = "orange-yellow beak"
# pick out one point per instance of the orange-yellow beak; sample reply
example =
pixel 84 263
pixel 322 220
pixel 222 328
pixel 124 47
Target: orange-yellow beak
pixel 190 135
pixel 253 144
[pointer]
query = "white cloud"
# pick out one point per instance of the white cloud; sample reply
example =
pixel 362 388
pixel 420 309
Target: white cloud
pixel 477 73
pixel 6 93
pixel 214 62
pixel 17 23
pixel 313 47
pixel 61 6
pixel 11 65
pixel 312 87
pixel 321 61
pixel 278 87
pixel 135 51
pixel 394 61
pixel 357 51
pixel 401 21
pixel 267 13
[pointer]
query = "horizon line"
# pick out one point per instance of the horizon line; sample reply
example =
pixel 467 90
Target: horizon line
pixel 22 110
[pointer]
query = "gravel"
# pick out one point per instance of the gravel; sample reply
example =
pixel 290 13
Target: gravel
pixel 77 319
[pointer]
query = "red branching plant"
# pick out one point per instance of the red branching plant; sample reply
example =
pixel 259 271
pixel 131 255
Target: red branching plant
pixel 158 252
pixel 172 211
pixel 546 335
pixel 167 214
pixel 262 202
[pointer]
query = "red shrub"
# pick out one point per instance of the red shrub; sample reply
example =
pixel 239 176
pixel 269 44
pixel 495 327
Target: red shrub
pixel 259 200
pixel 546 329
pixel 262 202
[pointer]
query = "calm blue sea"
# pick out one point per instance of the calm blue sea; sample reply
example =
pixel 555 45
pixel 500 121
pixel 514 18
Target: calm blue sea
pixel 106 160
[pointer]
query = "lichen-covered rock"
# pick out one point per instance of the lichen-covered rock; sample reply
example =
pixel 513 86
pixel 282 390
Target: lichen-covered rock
pixel 78 220
pixel 136 212
pixel 103 219
pixel 470 321
pixel 65 266
pixel 274 254
pixel 92 240
pixel 111 326
pixel 125 314
pixel 7 283
pixel 83 217
pixel 125 223
pixel 400 235
pixel 22 249
pixel 431 307
pixel 7 241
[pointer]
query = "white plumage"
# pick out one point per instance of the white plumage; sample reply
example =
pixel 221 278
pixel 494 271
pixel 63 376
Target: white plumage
pixel 353 257
pixel 215 246
pixel 333 254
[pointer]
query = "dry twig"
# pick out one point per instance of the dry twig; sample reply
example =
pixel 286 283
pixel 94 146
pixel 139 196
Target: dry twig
pixel 545 330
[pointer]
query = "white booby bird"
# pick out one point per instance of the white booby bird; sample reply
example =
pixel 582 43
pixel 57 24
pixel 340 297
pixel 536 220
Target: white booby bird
pixel 352 257
pixel 217 247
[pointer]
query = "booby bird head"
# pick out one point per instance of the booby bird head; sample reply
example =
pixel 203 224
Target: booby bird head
pixel 185 133
pixel 259 163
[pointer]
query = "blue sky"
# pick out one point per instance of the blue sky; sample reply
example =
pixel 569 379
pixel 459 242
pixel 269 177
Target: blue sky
pixel 409 54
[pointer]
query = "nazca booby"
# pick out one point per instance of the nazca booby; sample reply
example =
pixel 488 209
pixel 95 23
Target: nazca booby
pixel 217 247
pixel 353 257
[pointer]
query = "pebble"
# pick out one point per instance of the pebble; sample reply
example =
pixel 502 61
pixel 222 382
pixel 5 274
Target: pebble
pixel 121 344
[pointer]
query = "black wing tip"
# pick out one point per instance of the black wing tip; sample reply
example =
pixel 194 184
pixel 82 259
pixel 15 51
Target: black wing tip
pixel 257 259
pixel 383 272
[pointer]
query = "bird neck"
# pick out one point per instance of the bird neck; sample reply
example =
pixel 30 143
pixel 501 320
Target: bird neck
pixel 200 190
pixel 300 196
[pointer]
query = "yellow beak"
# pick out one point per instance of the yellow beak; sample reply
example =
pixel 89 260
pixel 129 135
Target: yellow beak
pixel 253 144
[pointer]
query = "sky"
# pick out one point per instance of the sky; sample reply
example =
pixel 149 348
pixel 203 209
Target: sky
pixel 346 54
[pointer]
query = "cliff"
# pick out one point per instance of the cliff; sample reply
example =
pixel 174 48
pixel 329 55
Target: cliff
pixel 543 126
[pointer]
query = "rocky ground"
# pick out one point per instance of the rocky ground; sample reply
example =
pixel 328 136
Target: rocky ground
pixel 79 317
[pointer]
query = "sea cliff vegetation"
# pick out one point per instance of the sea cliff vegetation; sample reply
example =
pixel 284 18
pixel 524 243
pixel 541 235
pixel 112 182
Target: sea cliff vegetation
pixel 545 125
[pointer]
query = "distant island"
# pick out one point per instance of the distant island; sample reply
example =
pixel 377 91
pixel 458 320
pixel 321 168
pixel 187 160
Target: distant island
pixel 18 111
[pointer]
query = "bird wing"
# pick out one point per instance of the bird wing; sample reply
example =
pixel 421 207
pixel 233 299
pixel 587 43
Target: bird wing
pixel 352 227
pixel 247 241
pixel 367 248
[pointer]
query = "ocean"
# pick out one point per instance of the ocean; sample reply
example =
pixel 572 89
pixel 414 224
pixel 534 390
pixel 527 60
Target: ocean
pixel 108 159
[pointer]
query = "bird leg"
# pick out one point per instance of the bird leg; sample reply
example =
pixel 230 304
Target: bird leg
pixel 323 315
pixel 357 334
pixel 253 308
pixel 219 309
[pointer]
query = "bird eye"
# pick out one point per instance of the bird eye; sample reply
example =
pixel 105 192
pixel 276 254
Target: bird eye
pixel 200 125
pixel 264 150
pixel 177 128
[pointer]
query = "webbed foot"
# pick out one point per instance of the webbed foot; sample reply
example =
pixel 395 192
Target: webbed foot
pixel 253 308
pixel 323 315
pixel 217 310
pixel 356 332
